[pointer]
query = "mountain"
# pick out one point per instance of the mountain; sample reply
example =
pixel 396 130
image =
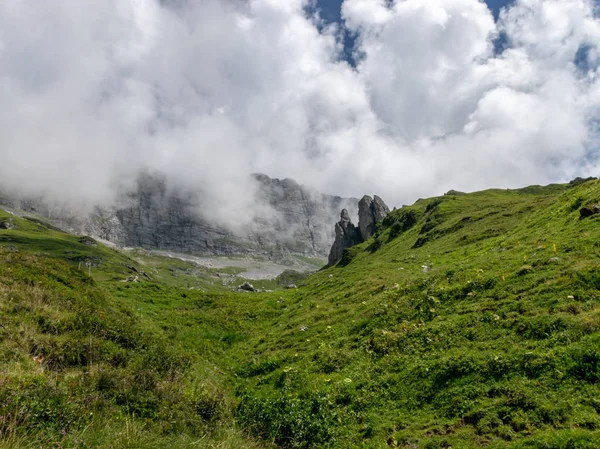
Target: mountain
pixel 292 220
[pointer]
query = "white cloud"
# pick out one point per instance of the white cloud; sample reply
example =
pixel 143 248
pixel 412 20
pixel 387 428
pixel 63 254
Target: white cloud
pixel 477 119
pixel 210 91
pixel 419 64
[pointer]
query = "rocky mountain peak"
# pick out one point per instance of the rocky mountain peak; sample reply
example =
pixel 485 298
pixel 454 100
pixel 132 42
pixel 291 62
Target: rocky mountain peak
pixel 345 216
pixel 346 235
pixel 370 212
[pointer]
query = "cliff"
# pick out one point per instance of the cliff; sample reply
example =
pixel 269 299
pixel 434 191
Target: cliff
pixel 153 215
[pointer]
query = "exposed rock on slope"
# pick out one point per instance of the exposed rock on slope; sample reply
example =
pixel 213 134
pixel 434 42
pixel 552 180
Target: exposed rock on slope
pixel 588 211
pixel 370 212
pixel 302 220
pixel 346 236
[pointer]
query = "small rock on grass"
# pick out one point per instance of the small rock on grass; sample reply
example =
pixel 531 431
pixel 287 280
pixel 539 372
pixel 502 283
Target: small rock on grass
pixel 247 286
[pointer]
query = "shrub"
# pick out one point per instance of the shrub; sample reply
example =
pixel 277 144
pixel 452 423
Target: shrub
pixel 290 420
pixel 586 364
pixel 347 256
pixel 403 223
pixel 31 403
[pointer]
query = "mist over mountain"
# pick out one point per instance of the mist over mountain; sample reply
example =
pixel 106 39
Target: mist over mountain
pixel 281 219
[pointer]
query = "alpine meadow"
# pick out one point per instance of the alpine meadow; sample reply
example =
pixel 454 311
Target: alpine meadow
pixel 467 320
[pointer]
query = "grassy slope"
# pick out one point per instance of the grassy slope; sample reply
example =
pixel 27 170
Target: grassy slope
pixel 494 344
pixel 467 321
pixel 111 377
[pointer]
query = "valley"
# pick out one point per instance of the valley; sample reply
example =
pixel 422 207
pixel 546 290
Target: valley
pixel 466 320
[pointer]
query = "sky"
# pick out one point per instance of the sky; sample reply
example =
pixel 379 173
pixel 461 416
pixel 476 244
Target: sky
pixel 422 100
pixel 331 10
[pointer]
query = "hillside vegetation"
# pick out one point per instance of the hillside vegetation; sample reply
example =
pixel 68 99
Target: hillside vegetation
pixel 468 320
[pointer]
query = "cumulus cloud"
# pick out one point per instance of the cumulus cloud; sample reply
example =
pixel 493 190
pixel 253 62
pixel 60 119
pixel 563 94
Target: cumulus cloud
pixel 475 117
pixel 210 91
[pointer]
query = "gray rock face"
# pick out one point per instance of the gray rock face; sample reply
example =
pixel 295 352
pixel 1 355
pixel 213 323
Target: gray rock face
pixel 303 219
pixel 370 212
pixel 104 224
pixel 380 209
pixel 299 221
pixel 153 215
pixel 365 216
pixel 346 236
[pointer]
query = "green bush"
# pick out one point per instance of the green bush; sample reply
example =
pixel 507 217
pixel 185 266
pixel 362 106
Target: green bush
pixel 290 420
pixel 31 403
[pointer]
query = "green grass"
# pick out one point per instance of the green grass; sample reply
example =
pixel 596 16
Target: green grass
pixel 109 377
pixel 112 376
pixel 467 321
pixel 35 236
pixel 317 263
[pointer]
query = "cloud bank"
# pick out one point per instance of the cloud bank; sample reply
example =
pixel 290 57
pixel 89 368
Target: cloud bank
pixel 442 96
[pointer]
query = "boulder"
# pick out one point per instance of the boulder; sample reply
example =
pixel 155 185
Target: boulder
pixel 247 286
pixel 131 279
pixel 587 211
pixel 88 241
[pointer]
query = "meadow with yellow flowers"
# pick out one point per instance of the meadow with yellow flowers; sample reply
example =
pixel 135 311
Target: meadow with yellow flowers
pixel 468 320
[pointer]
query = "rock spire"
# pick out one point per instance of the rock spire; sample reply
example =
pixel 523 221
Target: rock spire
pixel 370 212
pixel 346 235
